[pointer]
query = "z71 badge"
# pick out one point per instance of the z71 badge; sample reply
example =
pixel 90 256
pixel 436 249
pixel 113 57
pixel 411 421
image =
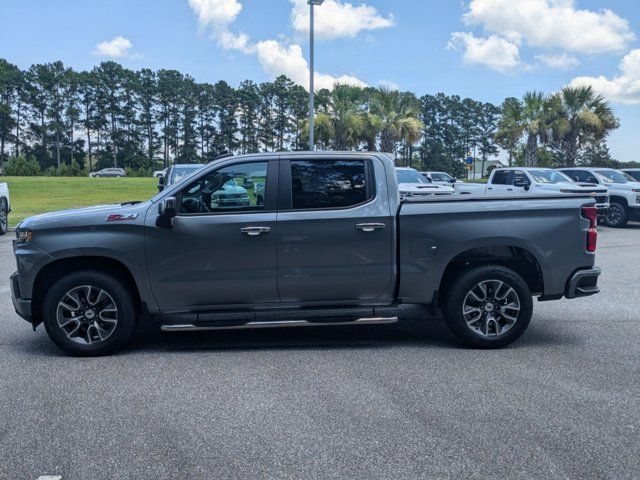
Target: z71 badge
pixel 121 217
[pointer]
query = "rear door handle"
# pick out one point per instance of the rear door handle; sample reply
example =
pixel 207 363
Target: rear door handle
pixel 254 231
pixel 370 227
pixel 509 189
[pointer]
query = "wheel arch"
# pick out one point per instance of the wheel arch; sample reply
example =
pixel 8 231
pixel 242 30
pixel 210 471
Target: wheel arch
pixel 60 267
pixel 618 199
pixel 515 257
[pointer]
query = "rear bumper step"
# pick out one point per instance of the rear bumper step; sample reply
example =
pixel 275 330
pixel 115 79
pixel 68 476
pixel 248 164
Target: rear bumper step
pixel 190 327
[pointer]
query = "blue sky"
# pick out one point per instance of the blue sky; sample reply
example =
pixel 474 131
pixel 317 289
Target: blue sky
pixel 485 49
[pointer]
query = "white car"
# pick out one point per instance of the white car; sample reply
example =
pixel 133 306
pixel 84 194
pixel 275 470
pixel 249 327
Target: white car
pixel 460 187
pixel 5 208
pixel 624 192
pixel 542 181
pixel 412 183
pixel 158 173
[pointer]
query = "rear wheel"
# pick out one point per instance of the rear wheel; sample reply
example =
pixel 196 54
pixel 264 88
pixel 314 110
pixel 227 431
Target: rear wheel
pixel 488 307
pixel 89 313
pixel 4 217
pixel 616 216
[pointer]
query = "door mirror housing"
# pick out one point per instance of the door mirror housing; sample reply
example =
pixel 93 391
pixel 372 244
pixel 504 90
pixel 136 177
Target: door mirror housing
pixel 161 182
pixel 167 209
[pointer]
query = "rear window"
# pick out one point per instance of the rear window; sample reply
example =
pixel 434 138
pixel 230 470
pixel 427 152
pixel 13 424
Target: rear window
pixel 500 177
pixel 328 184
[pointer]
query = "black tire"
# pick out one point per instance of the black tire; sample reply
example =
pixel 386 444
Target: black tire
pixel 617 216
pixel 460 288
pixel 4 217
pixel 126 313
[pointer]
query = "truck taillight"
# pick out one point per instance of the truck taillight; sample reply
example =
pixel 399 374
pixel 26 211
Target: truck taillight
pixel 591 214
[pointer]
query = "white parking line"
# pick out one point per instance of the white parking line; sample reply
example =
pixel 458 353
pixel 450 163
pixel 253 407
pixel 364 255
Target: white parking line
pixel 49 477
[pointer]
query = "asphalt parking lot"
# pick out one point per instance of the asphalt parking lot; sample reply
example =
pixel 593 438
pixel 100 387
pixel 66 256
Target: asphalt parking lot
pixel 388 402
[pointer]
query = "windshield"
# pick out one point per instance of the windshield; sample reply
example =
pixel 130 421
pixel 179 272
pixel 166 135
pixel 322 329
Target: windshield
pixel 549 176
pixel 410 176
pixel 180 172
pixel 613 176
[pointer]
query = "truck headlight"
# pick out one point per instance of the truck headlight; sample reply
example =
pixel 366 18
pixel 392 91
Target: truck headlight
pixel 24 235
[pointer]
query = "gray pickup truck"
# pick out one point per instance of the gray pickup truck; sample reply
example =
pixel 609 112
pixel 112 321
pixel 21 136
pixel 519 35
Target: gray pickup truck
pixel 329 243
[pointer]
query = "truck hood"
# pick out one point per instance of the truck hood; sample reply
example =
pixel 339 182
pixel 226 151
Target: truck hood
pixel 423 188
pixel 625 187
pixel 87 216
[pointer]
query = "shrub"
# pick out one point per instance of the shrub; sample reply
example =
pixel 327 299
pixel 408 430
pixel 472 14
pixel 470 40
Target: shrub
pixel 22 167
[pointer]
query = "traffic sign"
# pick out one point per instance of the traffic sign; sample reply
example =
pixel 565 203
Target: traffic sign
pixel 470 160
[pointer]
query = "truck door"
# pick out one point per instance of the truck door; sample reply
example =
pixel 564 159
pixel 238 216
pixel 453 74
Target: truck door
pixel 500 183
pixel 335 231
pixel 221 249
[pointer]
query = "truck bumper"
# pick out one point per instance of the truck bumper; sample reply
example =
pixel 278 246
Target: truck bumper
pixel 583 283
pixel 21 305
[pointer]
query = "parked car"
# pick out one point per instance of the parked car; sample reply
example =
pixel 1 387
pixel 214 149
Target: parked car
pixel 440 178
pixel 543 181
pixel 632 172
pixel 411 182
pixel 459 186
pixel 624 192
pixel 109 172
pixel 175 173
pixel 332 245
pixel 158 173
pixel 5 208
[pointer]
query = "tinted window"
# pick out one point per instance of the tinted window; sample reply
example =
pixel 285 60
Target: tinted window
pixel 234 188
pixel 500 177
pixel 633 173
pixel 327 184
pixel 586 177
pixel 520 178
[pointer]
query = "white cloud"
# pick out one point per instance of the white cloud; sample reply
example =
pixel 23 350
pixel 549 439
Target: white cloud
pixel 560 61
pixel 552 24
pixel 625 88
pixel 216 16
pixel 275 57
pixel 278 59
pixel 338 19
pixel 118 47
pixel 494 52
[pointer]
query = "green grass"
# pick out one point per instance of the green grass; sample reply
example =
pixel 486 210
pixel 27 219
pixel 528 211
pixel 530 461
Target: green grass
pixel 34 195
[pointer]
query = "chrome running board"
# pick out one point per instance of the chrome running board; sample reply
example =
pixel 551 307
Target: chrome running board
pixel 275 324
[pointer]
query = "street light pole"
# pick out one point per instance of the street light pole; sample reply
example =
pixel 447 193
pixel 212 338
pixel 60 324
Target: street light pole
pixel 312 4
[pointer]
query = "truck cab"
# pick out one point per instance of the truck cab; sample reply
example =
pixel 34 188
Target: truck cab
pixel 624 192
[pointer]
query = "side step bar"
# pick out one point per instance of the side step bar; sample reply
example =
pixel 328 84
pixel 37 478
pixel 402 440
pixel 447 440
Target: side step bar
pixel 275 324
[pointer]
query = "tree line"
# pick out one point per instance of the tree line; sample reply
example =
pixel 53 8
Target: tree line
pixel 56 120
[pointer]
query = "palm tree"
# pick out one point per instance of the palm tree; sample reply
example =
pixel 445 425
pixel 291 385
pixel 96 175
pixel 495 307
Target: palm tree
pixel 581 118
pixel 398 117
pixel 527 119
pixel 509 131
pixel 341 124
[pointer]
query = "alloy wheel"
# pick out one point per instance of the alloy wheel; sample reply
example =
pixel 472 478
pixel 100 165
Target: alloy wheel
pixel 491 308
pixel 87 314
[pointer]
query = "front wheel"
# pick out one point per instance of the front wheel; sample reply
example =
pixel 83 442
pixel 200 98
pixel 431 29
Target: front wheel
pixel 89 313
pixel 4 218
pixel 488 307
pixel 616 216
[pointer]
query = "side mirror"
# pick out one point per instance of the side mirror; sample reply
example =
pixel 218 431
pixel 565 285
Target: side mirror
pixel 161 183
pixel 167 209
pixel 453 180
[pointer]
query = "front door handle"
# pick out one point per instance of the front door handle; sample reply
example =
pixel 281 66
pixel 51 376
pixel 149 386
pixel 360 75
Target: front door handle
pixel 370 227
pixel 254 231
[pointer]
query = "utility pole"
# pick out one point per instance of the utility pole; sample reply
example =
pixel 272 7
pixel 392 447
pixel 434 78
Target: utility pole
pixel 312 4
